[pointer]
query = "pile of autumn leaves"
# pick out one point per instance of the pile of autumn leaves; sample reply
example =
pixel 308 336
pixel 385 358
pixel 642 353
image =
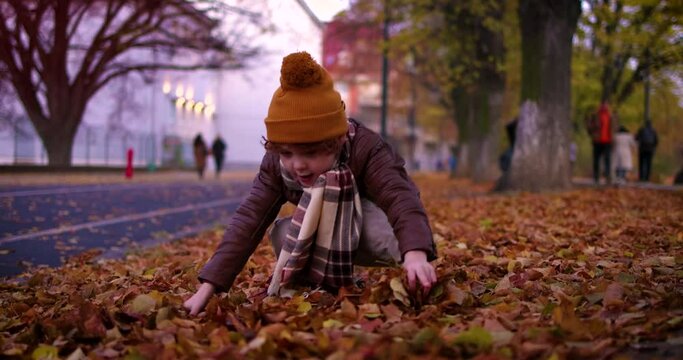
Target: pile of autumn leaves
pixel 585 273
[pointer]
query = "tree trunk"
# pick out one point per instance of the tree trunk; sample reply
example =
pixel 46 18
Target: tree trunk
pixel 463 169
pixel 58 137
pixel 58 150
pixel 482 127
pixel 479 104
pixel 479 115
pixel 540 158
pixel 482 155
pixel 478 153
pixel 484 162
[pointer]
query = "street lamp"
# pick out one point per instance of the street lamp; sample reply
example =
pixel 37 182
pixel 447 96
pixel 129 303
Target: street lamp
pixel 184 100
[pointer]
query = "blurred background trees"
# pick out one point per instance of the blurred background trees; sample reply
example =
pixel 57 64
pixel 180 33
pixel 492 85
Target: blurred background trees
pixel 459 72
pixel 623 48
pixel 457 51
pixel 476 63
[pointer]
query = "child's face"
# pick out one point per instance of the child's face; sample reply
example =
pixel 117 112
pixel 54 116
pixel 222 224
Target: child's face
pixel 306 165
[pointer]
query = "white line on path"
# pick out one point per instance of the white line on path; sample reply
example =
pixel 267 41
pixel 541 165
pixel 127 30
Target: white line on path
pixel 125 218
pixel 76 189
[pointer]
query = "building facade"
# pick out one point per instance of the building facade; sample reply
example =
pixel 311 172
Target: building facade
pixel 352 54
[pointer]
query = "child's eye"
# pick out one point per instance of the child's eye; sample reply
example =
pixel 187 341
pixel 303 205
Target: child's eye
pixel 286 154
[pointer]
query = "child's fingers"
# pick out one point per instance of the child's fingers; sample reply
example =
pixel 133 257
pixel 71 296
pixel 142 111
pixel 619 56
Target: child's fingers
pixel 189 305
pixel 432 274
pixel 194 305
pixel 427 276
pixel 411 279
pixel 425 280
pixel 196 309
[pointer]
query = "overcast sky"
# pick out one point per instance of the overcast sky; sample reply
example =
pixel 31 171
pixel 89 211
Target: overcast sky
pixel 326 9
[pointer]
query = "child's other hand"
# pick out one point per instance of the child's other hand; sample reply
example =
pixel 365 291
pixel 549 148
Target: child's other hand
pixel 417 268
pixel 196 303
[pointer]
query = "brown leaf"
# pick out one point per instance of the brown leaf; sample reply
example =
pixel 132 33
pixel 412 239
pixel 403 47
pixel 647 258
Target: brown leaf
pixel 273 330
pixel 392 313
pixel 503 286
pixel 348 310
pixel 565 317
pixel 371 325
pixel 275 317
pixel 614 295
pixel 405 329
pixel 93 327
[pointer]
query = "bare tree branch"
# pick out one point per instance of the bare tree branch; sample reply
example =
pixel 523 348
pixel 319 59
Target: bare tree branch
pixel 57 54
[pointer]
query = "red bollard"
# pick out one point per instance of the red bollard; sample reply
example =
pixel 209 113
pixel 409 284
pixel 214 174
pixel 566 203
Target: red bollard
pixel 129 166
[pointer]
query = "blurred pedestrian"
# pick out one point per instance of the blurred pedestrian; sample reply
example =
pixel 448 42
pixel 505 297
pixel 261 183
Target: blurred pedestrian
pixel 453 160
pixel 647 144
pixel 623 145
pixel 601 128
pixel 505 159
pixel 678 178
pixel 218 149
pixel 573 152
pixel 200 154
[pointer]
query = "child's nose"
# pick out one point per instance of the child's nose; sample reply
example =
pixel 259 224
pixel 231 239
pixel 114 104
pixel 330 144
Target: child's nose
pixel 299 164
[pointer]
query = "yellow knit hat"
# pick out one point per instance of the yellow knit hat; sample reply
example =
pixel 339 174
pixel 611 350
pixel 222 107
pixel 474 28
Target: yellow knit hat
pixel 305 108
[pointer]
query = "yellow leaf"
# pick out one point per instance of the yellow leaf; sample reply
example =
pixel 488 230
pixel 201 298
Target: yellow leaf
pixel 45 352
pixel 477 337
pixel 332 323
pixel 143 304
pixel 304 307
pixel 668 261
pixel 370 311
pixel 400 292
pixel 512 264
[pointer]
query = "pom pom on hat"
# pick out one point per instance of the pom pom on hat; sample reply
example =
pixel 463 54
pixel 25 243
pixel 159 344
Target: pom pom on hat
pixel 305 108
pixel 299 70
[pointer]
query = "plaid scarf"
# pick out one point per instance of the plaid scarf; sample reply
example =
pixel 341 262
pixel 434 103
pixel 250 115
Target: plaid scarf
pixel 325 228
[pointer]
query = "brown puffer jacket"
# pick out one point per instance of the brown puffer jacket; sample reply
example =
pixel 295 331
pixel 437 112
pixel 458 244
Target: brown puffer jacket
pixel 380 177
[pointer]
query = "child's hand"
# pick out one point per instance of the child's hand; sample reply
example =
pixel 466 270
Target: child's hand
pixel 417 268
pixel 196 303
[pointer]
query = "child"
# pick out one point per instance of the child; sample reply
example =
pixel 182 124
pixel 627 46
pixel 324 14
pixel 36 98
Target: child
pixel 356 204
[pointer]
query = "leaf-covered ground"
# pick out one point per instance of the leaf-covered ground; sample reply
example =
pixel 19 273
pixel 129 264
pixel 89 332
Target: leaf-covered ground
pixel 590 273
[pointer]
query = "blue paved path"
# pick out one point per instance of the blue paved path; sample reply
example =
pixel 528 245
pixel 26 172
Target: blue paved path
pixel 46 224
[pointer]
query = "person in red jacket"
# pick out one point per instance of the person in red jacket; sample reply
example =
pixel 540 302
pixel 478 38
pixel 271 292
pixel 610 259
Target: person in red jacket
pixel 355 202
pixel 601 127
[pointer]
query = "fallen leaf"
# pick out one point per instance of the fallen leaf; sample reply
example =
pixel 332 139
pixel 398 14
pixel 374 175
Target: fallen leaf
pixel 399 290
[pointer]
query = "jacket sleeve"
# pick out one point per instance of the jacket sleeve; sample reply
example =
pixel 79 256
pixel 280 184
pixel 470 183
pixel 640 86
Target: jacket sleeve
pixel 246 227
pixel 387 184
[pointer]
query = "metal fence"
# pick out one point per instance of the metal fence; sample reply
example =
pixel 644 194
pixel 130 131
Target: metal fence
pixel 93 146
